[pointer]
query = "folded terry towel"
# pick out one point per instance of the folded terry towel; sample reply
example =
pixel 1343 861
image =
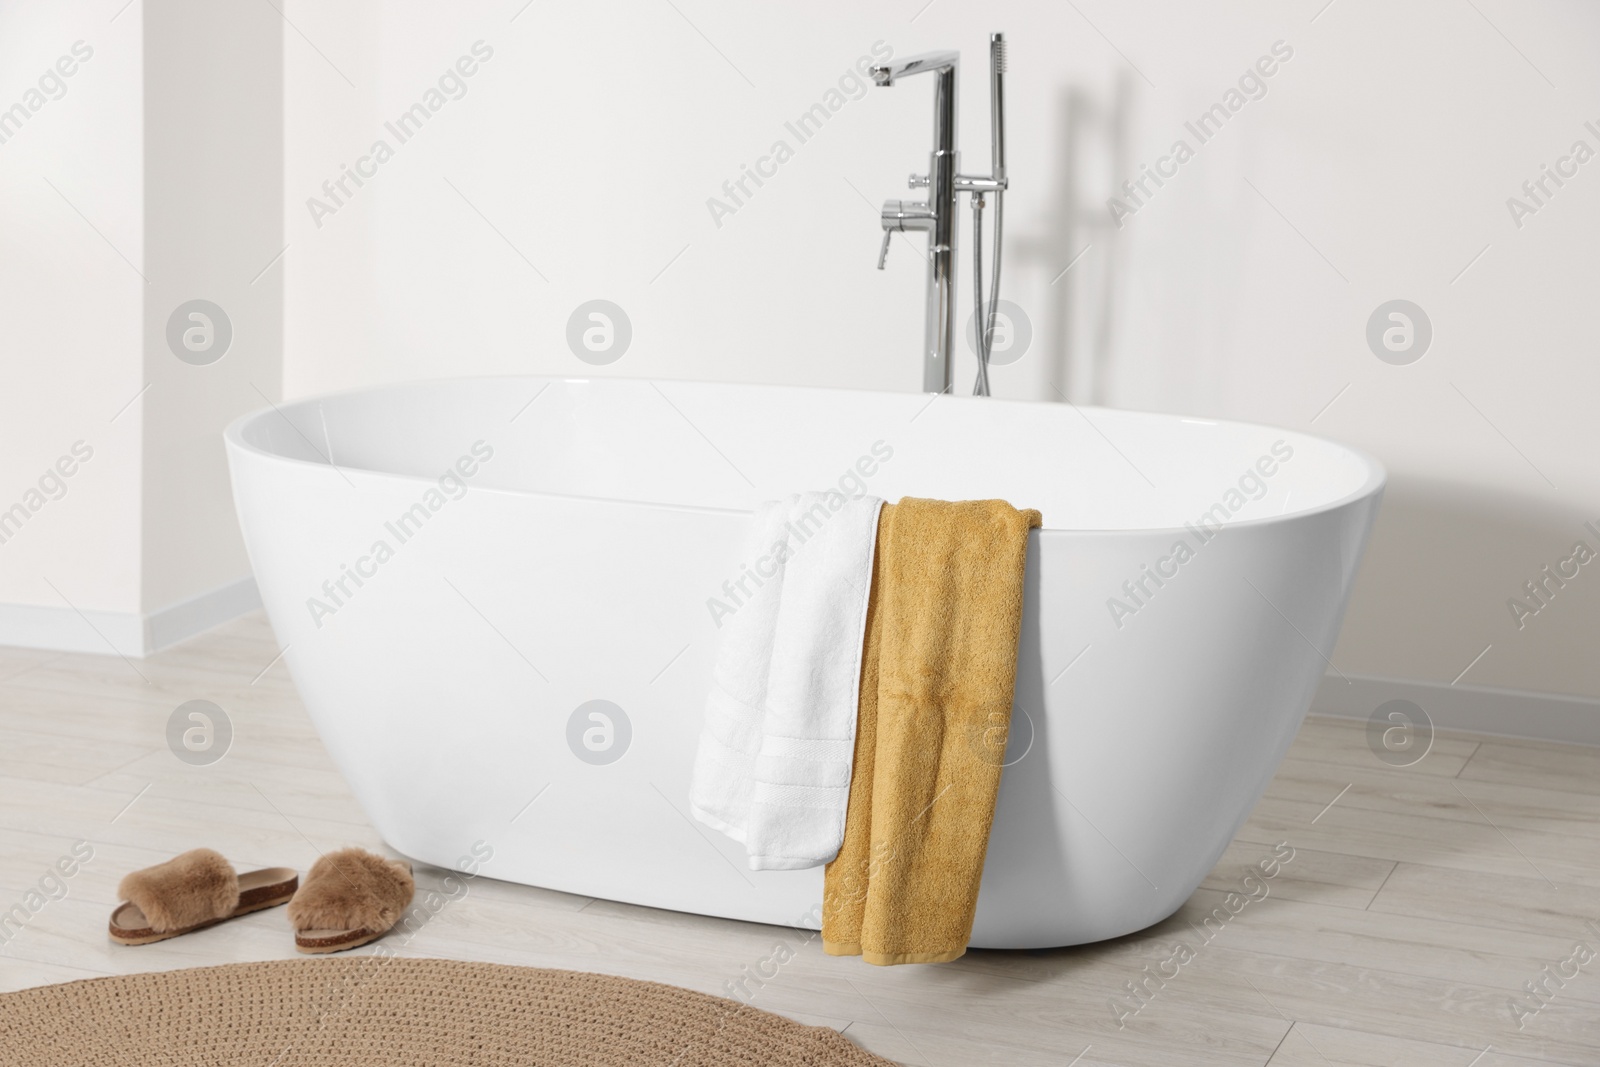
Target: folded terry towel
pixel 773 767
pixel 936 689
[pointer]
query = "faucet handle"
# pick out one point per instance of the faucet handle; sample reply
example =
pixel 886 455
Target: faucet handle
pixel 903 215
pixel 917 181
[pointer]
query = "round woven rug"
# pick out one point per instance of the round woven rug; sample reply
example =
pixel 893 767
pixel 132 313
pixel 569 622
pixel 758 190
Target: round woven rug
pixel 387 1010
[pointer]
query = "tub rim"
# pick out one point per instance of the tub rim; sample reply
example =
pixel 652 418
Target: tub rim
pixel 1374 480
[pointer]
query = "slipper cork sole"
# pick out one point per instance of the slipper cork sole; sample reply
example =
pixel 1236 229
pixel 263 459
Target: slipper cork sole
pixel 317 942
pixel 258 890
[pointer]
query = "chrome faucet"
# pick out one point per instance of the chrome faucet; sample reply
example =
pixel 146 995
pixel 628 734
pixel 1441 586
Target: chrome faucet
pixel 936 215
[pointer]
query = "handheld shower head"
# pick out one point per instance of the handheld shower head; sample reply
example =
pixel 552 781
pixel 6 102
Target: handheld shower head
pixel 997 105
pixel 997 161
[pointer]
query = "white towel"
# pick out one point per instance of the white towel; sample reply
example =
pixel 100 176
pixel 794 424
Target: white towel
pixel 777 746
pixel 730 737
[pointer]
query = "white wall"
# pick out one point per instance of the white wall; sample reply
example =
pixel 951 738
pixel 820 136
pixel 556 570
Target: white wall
pixel 71 194
pixel 1376 167
pixel 153 177
pixel 214 178
pixel 1394 160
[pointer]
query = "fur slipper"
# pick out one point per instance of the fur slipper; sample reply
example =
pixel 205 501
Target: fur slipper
pixel 193 891
pixel 350 897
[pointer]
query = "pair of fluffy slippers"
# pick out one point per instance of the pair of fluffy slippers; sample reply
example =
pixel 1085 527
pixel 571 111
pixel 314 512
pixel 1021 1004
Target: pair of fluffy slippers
pixel 350 897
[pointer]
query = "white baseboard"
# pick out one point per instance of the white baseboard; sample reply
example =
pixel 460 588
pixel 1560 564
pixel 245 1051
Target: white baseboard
pixel 179 622
pixel 63 629
pixel 1474 709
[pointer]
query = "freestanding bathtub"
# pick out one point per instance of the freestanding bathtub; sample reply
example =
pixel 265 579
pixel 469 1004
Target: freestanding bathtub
pixel 497 597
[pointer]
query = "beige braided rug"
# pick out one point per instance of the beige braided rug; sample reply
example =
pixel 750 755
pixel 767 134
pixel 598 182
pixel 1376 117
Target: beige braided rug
pixel 387 1010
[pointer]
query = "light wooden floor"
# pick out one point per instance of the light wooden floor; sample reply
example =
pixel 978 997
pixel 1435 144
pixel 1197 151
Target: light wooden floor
pixel 1418 903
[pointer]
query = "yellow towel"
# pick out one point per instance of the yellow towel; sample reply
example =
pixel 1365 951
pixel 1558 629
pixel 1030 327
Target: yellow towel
pixel 938 672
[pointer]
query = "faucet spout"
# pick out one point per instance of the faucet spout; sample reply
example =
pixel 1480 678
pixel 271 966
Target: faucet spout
pixel 889 73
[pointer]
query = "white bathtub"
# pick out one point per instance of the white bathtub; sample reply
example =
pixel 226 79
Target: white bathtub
pixel 600 517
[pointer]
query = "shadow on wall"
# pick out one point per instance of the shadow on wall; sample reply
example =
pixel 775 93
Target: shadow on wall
pixel 1451 551
pixel 1075 258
